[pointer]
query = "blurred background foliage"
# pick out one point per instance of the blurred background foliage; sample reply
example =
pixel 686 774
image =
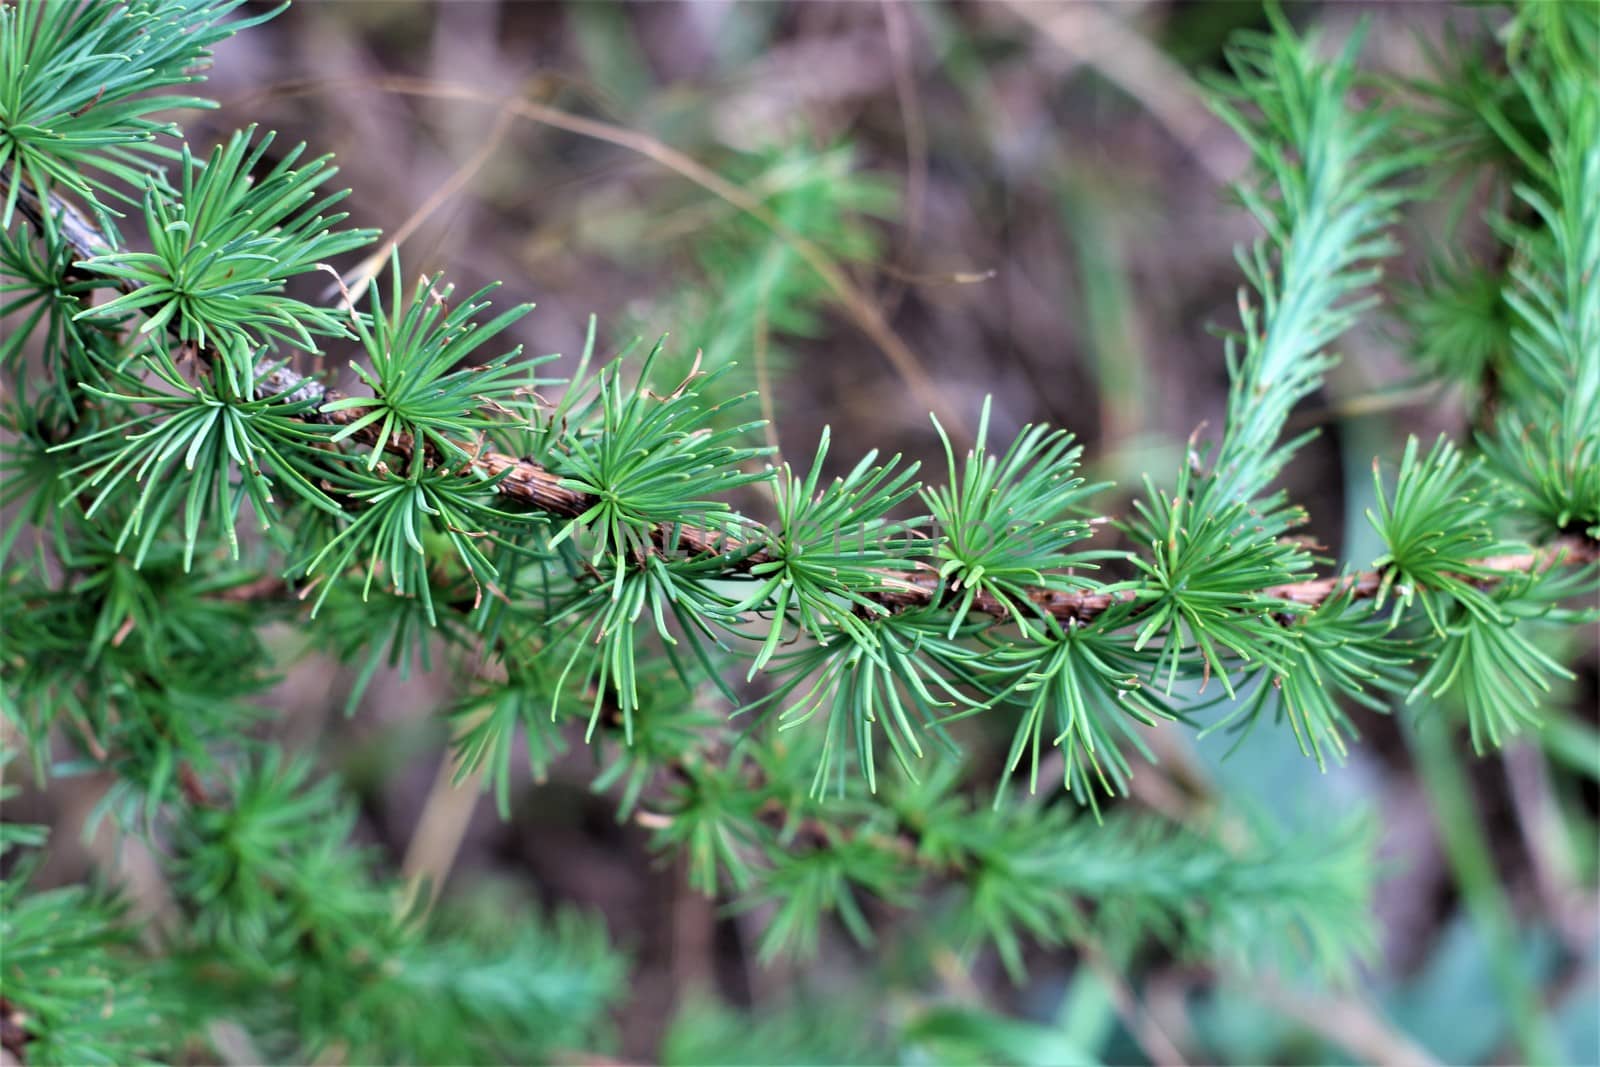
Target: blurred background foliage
pixel 1033 197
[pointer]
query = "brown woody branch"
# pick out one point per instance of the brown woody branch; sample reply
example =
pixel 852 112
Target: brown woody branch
pixel 14 1035
pixel 539 489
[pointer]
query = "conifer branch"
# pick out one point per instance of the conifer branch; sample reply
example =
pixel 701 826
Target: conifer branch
pixel 537 488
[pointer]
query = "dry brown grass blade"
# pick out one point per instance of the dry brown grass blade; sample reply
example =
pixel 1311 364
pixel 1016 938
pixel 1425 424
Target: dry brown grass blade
pixel 857 304
pixel 1090 35
pixel 440 829
pixel 898 37
pixel 357 280
pixel 1349 1022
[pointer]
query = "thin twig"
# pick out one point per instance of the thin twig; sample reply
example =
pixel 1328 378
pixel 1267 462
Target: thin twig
pixel 440 829
pixel 1147 1033
pixel 357 280
pixel 1090 34
pixel 857 304
pixel 898 38
pixel 1347 1021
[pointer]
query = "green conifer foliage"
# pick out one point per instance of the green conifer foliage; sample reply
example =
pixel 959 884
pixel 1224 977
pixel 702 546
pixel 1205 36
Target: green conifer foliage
pixel 783 704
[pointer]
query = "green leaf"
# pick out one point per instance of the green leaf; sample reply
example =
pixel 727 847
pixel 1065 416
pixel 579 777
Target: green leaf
pixel 1437 529
pixel 1005 522
pixel 224 244
pixel 404 528
pixel 1343 651
pixel 1494 662
pixel 832 550
pixel 424 388
pixel 1084 681
pixel 892 684
pixel 1209 566
pixel 649 461
pixel 196 449
pixel 80 81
